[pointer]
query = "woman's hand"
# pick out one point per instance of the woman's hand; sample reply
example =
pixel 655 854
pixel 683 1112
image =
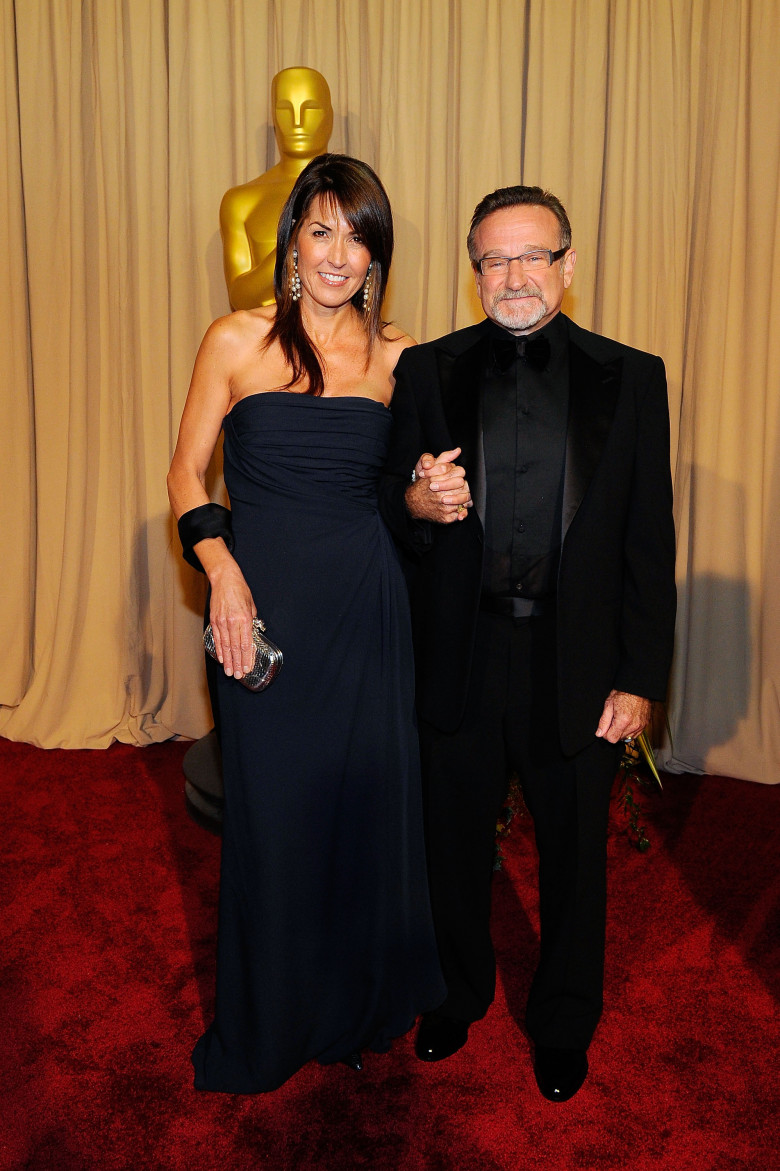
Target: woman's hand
pixel 440 490
pixel 231 612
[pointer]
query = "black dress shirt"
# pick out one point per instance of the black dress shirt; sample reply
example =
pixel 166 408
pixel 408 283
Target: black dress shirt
pixel 524 413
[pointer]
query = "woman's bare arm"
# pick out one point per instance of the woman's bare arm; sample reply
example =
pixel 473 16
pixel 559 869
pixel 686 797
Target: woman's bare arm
pixel 208 401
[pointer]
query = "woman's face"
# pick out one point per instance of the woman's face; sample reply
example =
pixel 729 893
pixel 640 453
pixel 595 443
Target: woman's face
pixel 332 259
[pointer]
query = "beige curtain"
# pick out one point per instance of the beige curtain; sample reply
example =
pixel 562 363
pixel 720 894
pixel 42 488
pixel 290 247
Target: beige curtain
pixel 657 123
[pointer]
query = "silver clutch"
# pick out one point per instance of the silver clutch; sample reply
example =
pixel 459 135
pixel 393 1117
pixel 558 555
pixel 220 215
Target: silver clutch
pixel 268 657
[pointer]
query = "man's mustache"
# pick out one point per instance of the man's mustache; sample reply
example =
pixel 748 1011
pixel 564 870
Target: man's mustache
pixel 518 295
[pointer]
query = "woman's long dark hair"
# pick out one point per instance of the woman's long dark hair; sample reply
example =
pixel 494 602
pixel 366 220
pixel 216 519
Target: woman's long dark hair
pixel 355 189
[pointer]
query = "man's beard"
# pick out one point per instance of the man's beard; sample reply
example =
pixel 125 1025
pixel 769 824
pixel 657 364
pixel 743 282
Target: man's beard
pixel 513 309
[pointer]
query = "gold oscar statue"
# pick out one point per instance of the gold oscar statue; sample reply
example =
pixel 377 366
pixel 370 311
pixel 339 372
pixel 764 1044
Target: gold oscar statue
pixel 248 215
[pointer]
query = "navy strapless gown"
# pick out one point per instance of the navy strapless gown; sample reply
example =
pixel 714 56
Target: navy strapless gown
pixel 325 937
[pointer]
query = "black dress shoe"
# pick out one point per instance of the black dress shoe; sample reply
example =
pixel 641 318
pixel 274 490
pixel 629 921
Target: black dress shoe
pixel 560 1072
pixel 440 1037
pixel 353 1060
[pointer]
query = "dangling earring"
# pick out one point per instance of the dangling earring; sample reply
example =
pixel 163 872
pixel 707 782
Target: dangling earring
pixel 295 280
pixel 367 288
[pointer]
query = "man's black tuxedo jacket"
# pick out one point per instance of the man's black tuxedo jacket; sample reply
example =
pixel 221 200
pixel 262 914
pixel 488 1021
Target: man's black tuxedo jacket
pixel 616 595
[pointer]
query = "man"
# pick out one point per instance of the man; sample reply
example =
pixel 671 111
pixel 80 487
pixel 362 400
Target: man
pixel 543 621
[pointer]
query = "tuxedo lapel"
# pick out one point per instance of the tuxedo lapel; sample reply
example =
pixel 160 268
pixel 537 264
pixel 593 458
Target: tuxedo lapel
pixel 593 393
pixel 460 378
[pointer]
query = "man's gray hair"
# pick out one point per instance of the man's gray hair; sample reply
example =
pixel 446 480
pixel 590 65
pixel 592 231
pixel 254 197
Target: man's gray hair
pixel 516 197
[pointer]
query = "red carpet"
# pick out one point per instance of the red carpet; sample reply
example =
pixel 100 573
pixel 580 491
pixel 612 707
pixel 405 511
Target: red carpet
pixel 109 894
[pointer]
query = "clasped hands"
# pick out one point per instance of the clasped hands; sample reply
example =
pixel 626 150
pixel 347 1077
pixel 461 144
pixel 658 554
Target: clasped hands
pixel 439 490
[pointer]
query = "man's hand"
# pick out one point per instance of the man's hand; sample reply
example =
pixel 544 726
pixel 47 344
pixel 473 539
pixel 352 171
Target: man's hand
pixel 440 491
pixel 624 716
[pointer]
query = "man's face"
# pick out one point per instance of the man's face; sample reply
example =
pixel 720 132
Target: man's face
pixel 519 300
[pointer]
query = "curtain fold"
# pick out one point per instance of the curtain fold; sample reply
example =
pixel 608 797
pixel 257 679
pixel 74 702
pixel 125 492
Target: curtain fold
pixel 17 432
pixel 725 715
pixel 123 124
pixel 93 168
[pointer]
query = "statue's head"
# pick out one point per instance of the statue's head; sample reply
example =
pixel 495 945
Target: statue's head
pixel 303 115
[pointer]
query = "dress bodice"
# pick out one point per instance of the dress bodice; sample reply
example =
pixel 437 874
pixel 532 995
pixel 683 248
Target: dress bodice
pixel 324 449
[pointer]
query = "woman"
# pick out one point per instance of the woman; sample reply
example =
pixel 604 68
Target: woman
pixel 325 939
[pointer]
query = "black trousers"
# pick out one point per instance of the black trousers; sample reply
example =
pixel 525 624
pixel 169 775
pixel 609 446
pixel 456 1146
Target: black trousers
pixel 511 724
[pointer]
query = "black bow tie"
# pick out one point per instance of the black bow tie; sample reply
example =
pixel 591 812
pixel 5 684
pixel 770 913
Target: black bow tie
pixel 535 351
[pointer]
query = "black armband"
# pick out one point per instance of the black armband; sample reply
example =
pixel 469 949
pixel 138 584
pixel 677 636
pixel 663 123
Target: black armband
pixel 201 523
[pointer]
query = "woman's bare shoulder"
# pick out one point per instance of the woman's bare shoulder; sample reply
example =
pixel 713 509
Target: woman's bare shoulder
pixel 236 331
pixel 395 341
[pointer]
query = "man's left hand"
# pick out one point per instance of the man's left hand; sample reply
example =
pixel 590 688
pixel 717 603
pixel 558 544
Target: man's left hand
pixel 624 716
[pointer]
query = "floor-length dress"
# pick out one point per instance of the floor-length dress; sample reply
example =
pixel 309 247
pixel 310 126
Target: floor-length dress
pixel 325 941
